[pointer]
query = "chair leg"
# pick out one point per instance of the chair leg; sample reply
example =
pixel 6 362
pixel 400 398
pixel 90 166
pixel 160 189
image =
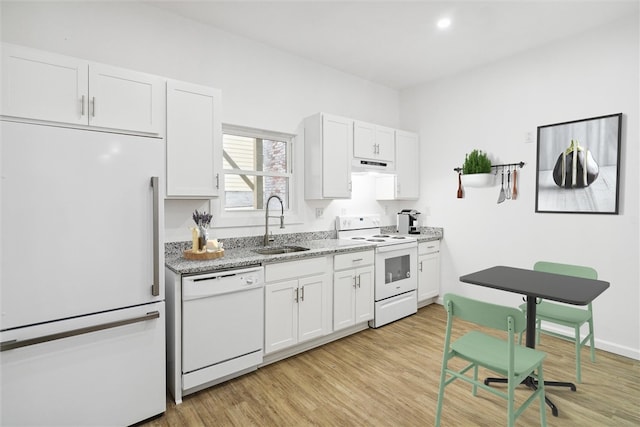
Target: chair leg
pixel 543 404
pixel 443 376
pixel 538 327
pixel 592 340
pixel 474 390
pixel 511 391
pixel 578 361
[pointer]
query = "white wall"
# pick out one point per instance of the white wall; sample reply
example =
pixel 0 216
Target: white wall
pixel 261 87
pixel 491 108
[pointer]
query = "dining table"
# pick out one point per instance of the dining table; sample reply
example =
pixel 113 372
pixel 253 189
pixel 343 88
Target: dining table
pixel 534 285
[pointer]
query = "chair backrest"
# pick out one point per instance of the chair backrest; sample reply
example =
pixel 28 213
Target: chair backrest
pixel 566 269
pixel 484 313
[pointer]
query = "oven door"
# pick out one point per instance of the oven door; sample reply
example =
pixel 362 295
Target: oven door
pixel 396 270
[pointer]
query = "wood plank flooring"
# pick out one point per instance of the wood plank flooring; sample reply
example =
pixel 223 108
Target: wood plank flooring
pixel 389 377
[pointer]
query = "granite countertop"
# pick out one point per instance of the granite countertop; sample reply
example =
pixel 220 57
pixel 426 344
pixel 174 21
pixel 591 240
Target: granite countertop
pixel 239 252
pixel 426 235
pixel 245 256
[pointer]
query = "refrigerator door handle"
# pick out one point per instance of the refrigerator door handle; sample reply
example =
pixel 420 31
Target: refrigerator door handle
pixel 155 287
pixel 12 344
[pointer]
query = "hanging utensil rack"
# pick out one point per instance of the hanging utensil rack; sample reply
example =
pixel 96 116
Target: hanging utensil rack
pixel 504 165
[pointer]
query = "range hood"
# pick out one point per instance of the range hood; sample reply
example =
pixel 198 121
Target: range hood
pixel 367 165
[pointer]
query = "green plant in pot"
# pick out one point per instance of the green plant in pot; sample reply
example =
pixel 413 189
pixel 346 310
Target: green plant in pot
pixel 476 162
pixel 476 170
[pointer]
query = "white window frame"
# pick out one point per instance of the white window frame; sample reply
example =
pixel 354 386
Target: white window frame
pixel 244 218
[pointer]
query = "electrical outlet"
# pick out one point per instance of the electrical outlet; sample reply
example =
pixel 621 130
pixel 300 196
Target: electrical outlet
pixel 319 212
pixel 528 137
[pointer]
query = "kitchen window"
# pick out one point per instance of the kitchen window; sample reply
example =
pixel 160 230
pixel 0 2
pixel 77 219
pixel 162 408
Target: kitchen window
pixel 255 165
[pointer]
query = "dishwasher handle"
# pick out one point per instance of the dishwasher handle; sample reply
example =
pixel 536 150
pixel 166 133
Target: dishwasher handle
pixel 190 293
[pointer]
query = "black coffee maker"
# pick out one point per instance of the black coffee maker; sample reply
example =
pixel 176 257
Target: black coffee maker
pixel 408 221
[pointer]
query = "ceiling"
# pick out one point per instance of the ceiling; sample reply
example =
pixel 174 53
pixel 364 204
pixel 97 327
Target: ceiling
pixel 396 43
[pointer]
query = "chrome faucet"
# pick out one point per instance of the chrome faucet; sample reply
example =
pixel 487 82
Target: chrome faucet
pixel 266 218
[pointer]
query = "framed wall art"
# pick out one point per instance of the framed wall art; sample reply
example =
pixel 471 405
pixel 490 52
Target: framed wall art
pixel 578 166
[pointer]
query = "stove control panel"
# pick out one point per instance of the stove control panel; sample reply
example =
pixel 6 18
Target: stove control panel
pixel 357 222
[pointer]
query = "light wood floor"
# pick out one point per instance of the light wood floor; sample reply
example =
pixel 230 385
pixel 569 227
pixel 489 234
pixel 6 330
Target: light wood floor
pixel 389 377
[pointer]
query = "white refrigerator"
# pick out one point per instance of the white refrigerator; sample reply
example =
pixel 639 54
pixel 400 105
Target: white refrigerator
pixel 82 327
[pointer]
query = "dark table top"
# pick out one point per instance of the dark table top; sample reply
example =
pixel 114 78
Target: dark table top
pixel 557 287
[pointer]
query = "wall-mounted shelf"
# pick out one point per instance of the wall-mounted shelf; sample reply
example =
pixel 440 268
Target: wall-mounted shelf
pixel 478 181
pixel 504 165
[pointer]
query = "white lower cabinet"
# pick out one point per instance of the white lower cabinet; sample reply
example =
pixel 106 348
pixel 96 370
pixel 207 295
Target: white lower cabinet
pixel 297 302
pixel 428 270
pixel 352 289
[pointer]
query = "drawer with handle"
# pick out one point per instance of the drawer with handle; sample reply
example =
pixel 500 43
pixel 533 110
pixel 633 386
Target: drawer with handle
pixel 428 247
pixel 352 259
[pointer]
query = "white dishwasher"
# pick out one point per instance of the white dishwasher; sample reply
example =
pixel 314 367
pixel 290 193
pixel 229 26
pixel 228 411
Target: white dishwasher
pixel 222 326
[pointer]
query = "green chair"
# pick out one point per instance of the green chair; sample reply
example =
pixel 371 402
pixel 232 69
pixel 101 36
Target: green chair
pixel 566 315
pixel 503 356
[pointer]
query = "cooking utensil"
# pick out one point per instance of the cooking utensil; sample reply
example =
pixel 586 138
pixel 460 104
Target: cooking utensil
pixel 509 183
pixel 502 196
pixel 459 186
pixel 514 192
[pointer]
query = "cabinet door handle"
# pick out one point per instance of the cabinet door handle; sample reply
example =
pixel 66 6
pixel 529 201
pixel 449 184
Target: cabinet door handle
pixel 355 283
pixel 82 106
pixel 358 281
pixel 421 266
pixel 217 181
pixel 93 106
pixel 296 298
pixel 302 294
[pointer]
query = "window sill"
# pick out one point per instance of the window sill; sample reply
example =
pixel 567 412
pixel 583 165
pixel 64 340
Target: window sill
pixel 252 219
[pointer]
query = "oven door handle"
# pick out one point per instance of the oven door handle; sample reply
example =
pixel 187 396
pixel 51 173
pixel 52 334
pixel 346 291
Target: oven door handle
pixel 394 248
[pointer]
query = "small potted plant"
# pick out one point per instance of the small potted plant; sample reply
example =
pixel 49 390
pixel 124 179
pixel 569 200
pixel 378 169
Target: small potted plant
pixel 476 170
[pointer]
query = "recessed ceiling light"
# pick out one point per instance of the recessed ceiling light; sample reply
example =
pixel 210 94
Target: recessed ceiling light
pixel 444 23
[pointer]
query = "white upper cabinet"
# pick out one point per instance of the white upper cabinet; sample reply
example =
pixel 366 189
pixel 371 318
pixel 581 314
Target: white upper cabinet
pixel 44 86
pixel 405 183
pixel 328 142
pixel 125 99
pixel 194 140
pixel 373 142
pixel 407 165
pixel 40 85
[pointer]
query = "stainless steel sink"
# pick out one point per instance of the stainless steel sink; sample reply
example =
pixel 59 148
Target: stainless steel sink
pixel 275 250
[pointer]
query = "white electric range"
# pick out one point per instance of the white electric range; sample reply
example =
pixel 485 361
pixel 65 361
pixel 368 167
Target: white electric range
pixel 396 265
